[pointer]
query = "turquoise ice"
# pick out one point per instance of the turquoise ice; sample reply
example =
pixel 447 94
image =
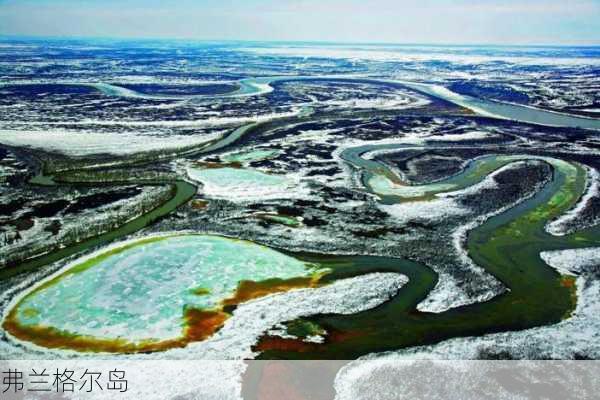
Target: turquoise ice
pixel 237 183
pixel 246 156
pixel 141 292
pixel 382 185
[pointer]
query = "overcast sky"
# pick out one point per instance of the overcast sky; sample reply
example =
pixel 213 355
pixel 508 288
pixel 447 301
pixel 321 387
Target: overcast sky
pixel 391 21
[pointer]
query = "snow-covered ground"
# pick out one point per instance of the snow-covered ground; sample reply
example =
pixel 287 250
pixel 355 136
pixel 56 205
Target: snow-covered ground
pixel 77 226
pixel 90 143
pixel 572 220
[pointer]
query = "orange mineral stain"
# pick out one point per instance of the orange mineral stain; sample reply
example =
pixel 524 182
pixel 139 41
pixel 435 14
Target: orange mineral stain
pixel 199 324
pixel 248 290
pixel 216 165
pixel 53 338
pixel 569 282
pixel 199 204
pixel 283 344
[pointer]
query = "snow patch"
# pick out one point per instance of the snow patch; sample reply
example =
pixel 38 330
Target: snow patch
pixel 560 226
pixel 424 210
pixel 246 184
pixel 89 143
pixel 572 261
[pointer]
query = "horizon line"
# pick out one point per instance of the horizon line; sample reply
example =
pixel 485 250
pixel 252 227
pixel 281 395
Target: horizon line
pixel 275 41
